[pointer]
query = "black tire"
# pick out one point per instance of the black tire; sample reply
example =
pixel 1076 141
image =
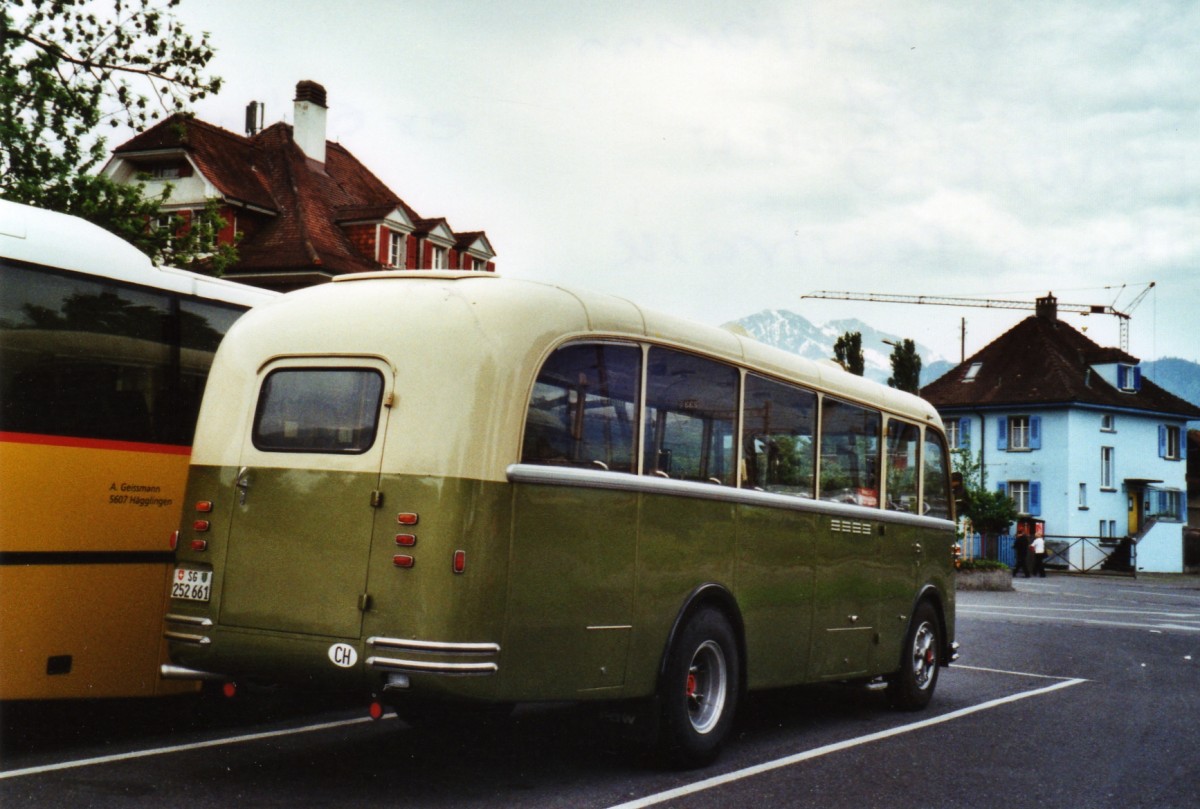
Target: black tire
pixel 699 690
pixel 911 688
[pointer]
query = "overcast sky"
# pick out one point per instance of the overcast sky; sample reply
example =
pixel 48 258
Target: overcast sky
pixel 713 159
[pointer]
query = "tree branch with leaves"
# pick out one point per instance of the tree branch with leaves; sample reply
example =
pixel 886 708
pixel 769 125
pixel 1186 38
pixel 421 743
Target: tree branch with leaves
pixel 68 67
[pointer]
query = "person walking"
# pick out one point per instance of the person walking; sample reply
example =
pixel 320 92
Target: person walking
pixel 1038 549
pixel 1021 547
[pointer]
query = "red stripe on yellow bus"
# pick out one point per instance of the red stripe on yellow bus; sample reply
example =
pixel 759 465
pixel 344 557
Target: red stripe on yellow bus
pixel 93 443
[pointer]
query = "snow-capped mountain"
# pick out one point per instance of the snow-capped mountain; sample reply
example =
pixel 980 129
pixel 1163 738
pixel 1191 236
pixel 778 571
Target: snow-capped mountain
pixel 795 333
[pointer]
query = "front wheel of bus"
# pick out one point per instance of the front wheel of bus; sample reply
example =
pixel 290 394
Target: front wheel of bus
pixel 699 691
pixel 911 688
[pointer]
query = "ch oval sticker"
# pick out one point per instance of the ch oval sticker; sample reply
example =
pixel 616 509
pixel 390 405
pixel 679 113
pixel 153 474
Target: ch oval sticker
pixel 343 655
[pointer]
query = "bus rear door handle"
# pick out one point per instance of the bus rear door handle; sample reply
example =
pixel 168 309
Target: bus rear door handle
pixel 243 484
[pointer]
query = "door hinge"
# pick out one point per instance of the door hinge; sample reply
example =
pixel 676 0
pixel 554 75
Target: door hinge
pixel 376 499
pixel 364 602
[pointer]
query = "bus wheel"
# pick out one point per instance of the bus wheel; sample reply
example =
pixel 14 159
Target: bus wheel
pixel 911 688
pixel 699 691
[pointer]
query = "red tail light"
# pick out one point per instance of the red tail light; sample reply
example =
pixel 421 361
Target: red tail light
pixel 199 544
pixel 204 506
pixel 402 560
pixel 406 540
pixel 200 526
pixel 407 518
pixel 460 561
pixel 174 540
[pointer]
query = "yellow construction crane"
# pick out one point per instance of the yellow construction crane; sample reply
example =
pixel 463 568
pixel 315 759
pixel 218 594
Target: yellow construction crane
pixel 992 303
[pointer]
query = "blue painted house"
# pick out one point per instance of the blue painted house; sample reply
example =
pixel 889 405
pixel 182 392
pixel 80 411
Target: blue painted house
pixel 1072 432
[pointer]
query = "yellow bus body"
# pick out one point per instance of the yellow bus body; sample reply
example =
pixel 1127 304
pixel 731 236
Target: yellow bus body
pixel 86 519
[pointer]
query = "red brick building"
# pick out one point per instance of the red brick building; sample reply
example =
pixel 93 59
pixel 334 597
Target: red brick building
pixel 306 208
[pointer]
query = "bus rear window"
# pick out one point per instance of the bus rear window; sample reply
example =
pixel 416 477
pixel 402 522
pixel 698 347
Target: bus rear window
pixel 325 410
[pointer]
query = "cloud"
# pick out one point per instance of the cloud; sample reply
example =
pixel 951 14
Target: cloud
pixel 716 159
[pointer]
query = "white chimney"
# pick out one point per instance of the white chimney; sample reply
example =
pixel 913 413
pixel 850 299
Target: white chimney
pixel 309 126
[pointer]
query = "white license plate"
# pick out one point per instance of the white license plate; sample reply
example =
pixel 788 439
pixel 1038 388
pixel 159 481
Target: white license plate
pixel 192 585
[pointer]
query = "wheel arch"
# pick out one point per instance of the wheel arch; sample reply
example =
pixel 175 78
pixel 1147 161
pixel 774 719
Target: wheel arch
pixel 706 595
pixel 933 595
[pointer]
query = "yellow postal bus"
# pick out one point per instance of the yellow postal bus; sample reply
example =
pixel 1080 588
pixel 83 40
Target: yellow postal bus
pixel 437 487
pixel 103 358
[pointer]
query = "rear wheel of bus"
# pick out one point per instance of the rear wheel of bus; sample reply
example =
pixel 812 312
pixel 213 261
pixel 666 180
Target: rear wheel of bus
pixel 911 688
pixel 699 691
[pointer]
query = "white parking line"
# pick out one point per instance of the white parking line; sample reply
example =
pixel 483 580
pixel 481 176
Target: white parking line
pixel 807 755
pixel 1046 618
pixel 179 748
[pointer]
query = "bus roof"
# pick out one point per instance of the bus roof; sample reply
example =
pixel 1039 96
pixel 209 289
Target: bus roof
pixel 538 315
pixel 53 239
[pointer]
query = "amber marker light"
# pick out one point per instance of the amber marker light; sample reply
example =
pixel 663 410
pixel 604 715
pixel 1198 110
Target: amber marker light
pixel 406 518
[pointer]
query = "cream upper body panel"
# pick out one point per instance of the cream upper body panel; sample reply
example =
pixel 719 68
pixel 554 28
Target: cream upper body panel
pixel 465 349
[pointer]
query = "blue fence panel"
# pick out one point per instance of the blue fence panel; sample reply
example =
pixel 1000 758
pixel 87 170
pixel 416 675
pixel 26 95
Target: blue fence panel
pixel 999 548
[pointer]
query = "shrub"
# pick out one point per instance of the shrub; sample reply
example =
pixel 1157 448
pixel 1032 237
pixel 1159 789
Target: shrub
pixel 972 565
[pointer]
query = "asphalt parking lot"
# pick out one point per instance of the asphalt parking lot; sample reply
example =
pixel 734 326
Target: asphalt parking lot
pixel 1072 692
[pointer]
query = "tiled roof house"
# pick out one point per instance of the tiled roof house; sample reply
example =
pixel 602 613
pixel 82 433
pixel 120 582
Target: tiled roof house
pixel 1073 433
pixel 307 209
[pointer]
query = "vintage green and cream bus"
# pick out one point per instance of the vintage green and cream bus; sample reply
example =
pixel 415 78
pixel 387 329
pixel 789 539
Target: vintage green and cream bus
pixel 452 487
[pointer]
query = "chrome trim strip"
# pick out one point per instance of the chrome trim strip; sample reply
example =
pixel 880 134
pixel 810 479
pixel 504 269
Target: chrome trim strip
pixel 613 626
pixel 186 637
pixel 169 672
pixel 645 484
pixel 191 620
pixel 427 666
pixel 439 647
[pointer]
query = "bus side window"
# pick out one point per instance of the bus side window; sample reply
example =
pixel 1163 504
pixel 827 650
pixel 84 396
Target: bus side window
pixel 777 437
pixel 849 453
pixel 84 357
pixel 691 412
pixel 936 497
pixel 903 439
pixel 583 411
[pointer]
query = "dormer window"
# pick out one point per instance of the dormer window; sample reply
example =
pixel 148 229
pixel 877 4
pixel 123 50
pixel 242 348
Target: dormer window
pixel 438 258
pixel 172 170
pixel 396 250
pixel 1129 378
pixel 973 372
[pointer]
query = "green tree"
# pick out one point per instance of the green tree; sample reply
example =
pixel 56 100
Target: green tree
pixel 848 352
pixel 66 68
pixel 906 367
pixel 990 512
